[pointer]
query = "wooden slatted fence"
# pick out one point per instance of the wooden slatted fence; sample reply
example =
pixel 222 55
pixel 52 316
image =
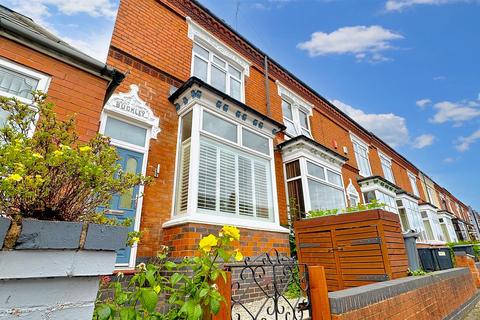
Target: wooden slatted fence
pixel 354 248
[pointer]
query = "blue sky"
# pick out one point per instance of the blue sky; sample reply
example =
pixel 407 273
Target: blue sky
pixel 407 70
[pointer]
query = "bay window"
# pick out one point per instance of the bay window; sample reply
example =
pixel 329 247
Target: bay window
pixel 431 223
pixel 360 150
pixel 378 189
pixel 313 176
pixel 410 216
pixel 217 71
pixel 230 168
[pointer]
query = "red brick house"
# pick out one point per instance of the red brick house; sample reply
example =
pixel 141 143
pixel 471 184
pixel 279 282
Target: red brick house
pixel 228 134
pixel 31 58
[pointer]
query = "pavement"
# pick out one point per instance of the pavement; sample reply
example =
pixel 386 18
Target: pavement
pixel 474 314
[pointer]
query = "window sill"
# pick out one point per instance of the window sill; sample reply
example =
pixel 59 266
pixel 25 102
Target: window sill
pixel 222 220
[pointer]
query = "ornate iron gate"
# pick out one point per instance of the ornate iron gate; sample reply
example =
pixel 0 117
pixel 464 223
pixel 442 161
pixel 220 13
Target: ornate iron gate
pixel 270 286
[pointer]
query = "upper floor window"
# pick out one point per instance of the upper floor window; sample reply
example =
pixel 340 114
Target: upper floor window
pixel 387 167
pixel 413 183
pixel 216 71
pixel 296 113
pixel 361 155
pixel 431 194
pixel 19 82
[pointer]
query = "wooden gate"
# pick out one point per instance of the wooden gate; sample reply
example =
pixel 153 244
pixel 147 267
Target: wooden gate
pixel 354 248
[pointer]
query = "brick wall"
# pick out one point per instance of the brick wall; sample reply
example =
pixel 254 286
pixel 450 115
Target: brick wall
pixel 183 240
pixel 74 91
pixel 431 297
pixel 151 44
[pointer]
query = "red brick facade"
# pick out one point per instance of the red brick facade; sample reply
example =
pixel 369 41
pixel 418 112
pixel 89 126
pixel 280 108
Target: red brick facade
pixel 150 42
pixel 73 90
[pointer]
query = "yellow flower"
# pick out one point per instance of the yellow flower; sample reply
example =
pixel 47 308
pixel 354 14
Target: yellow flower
pixel 64 147
pixel 85 148
pixel 157 289
pixel 37 155
pixel 232 232
pixel 57 153
pixel 135 239
pixel 15 177
pixel 238 255
pixel 208 242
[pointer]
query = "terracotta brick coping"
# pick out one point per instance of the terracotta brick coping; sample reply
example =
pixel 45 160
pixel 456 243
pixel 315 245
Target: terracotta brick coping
pixel 355 298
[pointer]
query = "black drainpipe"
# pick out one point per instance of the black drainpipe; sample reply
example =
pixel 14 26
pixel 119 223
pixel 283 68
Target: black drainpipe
pixel 267 87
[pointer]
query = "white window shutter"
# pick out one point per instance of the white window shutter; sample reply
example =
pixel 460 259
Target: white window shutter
pixel 184 179
pixel 245 191
pixel 207 177
pixel 261 190
pixel 228 173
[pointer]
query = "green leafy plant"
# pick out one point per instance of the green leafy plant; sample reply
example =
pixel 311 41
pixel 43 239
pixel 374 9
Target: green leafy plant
pixel 475 244
pixel 52 175
pixel 417 273
pixel 359 207
pixel 188 286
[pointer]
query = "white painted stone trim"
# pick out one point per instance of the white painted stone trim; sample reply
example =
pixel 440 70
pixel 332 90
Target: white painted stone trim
pixel 196 32
pixel 293 98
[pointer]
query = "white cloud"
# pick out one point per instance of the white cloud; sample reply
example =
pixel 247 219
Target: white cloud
pixel 439 78
pixel 456 112
pixel 422 103
pixel 41 11
pixel 389 127
pixel 399 5
pixel 463 143
pixel 449 160
pixel 40 8
pixel 423 141
pixel 364 42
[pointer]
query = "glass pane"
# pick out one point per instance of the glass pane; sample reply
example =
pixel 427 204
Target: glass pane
pixel 295 194
pixel 293 169
pixel 262 191
pixel 126 132
pixel 305 132
pixel 404 220
pixel 287 110
pixel 255 142
pixel 126 199
pixel 200 51
pixel 369 196
pixel 219 62
pixel 290 127
pixel 353 200
pixel 219 127
pixel 16 83
pixel 3 117
pixel 334 178
pixel 207 177
pixel 303 119
pixel 324 197
pixel 228 172
pixel 428 229
pixel 200 68
pixel 234 72
pixel 187 126
pixel 218 79
pixel 235 91
pixel 315 170
pixel 245 187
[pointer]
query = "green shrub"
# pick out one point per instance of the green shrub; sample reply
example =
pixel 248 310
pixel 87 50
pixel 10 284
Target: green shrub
pixel 52 175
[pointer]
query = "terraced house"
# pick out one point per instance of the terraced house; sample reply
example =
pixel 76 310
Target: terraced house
pixel 228 134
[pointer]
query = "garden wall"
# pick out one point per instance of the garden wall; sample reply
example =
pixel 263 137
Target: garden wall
pixel 443 294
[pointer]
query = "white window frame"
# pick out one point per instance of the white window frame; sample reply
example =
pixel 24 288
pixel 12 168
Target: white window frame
pixel 356 141
pixel 305 176
pixel 298 105
pixel 413 183
pixel 193 214
pixel 210 62
pixel 432 217
pixel 43 84
pixel 386 163
pixel 352 193
pixel 412 210
pixel 43 79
